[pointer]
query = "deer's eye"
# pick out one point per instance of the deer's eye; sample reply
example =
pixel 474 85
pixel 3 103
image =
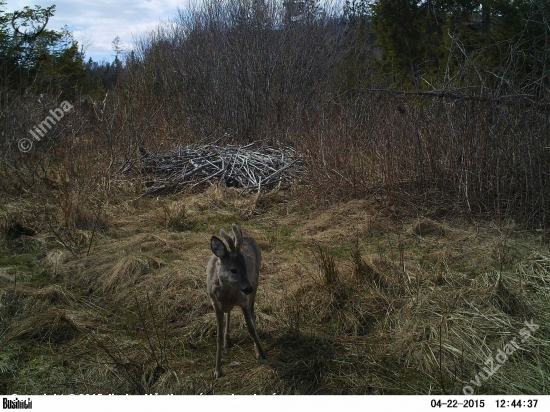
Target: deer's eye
pixel 234 271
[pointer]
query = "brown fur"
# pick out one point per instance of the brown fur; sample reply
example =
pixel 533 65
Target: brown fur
pixel 232 280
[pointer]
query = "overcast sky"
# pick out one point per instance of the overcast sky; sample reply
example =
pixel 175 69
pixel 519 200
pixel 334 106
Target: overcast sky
pixel 98 22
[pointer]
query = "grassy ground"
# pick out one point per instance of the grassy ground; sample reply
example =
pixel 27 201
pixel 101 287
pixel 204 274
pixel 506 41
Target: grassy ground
pixel 352 300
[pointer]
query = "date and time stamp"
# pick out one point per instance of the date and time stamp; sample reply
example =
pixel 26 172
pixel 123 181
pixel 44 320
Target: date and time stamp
pixel 500 404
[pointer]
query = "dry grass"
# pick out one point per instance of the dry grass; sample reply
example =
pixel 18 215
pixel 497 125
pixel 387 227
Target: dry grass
pixel 350 302
pixel 329 275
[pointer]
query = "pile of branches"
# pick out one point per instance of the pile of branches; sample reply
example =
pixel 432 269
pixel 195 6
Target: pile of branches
pixel 253 167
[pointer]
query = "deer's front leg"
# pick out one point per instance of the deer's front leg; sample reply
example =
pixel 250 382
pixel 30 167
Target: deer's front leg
pixel 251 325
pixel 226 337
pixel 219 341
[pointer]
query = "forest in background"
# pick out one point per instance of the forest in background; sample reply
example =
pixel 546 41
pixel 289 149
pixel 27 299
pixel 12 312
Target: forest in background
pixel 434 103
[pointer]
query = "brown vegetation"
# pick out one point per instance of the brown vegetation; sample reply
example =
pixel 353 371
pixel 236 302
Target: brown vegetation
pixel 379 309
pixel 414 247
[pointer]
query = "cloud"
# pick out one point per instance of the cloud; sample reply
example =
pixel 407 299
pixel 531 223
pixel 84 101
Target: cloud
pixel 99 22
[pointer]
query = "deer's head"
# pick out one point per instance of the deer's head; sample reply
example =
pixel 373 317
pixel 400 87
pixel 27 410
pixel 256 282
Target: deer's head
pixel 232 268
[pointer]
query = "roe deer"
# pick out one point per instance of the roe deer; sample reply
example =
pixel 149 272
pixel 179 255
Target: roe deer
pixel 232 280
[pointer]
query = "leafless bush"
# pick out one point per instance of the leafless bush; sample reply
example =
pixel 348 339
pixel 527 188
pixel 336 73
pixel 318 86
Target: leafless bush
pixel 243 68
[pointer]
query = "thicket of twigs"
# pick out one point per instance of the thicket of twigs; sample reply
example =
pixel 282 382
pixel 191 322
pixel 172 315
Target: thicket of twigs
pixel 251 167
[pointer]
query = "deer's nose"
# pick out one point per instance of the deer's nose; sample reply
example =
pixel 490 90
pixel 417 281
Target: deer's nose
pixel 248 290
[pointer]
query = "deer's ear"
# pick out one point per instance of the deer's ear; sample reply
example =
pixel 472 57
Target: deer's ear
pixel 218 247
pixel 238 237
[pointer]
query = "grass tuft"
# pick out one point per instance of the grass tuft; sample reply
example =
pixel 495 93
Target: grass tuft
pixel 329 274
